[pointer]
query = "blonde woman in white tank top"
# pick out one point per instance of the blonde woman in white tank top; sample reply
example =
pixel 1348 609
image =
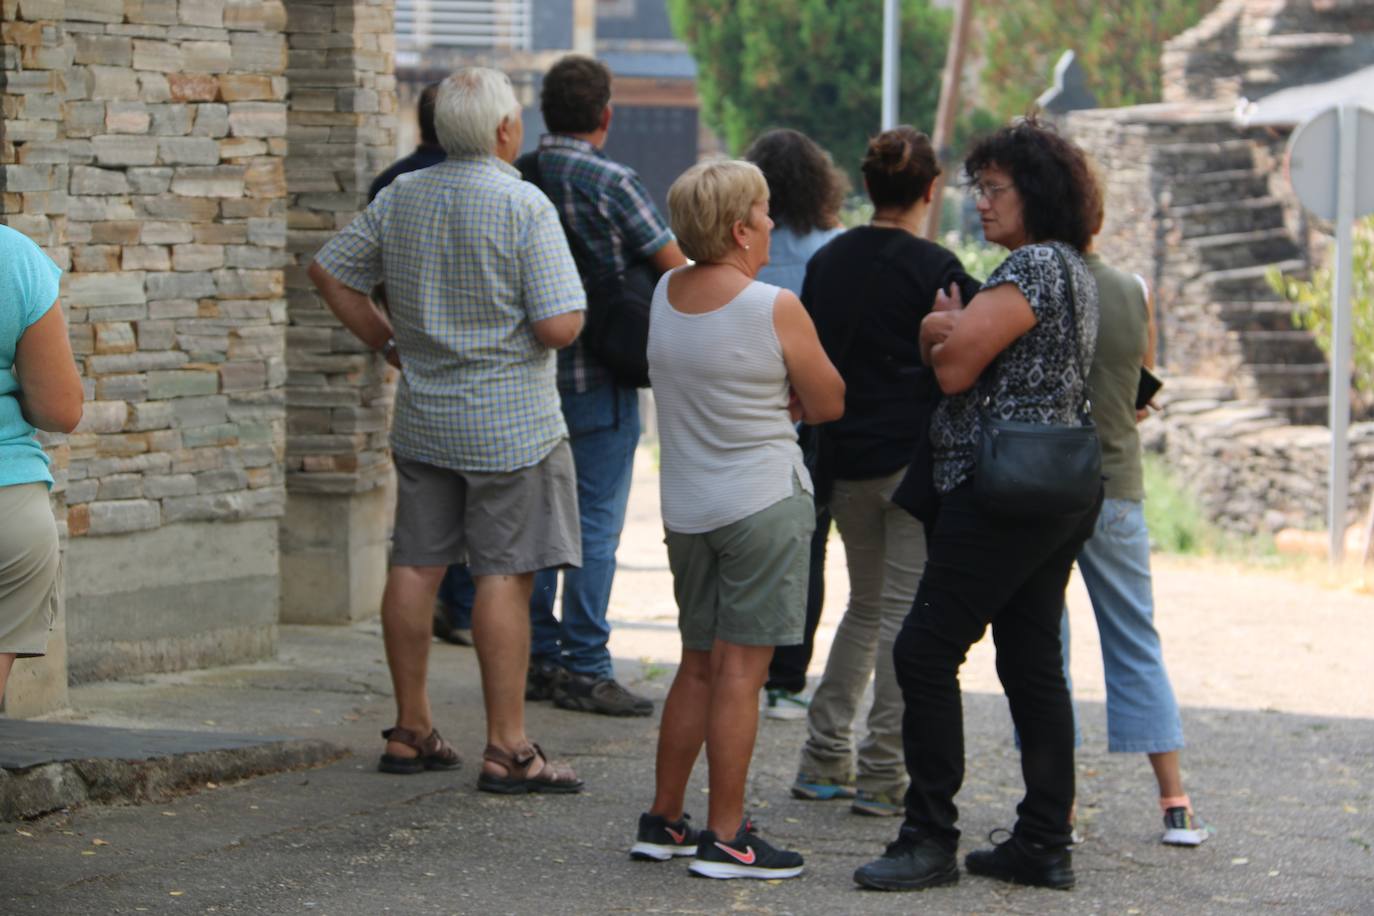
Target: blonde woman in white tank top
pixel 734 363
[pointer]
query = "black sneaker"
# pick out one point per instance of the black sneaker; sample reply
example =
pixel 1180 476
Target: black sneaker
pixel 604 695
pixel 659 840
pixel 909 865
pixel 541 679
pixel 746 856
pixel 1020 861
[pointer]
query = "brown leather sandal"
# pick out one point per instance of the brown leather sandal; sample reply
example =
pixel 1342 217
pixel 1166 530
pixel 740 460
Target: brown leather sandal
pixel 432 753
pixel 553 777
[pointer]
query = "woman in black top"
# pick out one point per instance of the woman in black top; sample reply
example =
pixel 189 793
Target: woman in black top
pixel 1022 349
pixel 867 291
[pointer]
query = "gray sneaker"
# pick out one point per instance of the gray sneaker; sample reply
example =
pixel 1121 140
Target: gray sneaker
pixel 603 695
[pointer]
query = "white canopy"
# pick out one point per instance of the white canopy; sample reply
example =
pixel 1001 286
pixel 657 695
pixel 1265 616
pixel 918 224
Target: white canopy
pixel 1291 107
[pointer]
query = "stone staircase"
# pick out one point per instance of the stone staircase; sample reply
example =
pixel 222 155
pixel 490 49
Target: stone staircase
pixel 1223 230
pixel 1251 48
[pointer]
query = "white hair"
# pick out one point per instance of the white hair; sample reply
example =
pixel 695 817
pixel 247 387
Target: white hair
pixel 471 105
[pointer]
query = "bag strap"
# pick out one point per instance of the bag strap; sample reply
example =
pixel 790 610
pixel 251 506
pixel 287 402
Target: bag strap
pixel 1085 405
pixel 582 254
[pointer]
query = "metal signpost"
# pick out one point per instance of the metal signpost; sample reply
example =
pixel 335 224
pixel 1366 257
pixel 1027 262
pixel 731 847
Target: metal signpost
pixel 892 31
pixel 1322 158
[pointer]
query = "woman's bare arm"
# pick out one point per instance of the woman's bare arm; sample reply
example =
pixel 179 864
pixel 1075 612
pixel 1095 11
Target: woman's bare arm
pixel 814 379
pixel 49 393
pixel 988 325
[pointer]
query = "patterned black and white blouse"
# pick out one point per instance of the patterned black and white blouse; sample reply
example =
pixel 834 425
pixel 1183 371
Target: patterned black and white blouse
pixel 1036 379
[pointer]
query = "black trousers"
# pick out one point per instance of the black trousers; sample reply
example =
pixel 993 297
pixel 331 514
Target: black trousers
pixel 1010 573
pixel 787 671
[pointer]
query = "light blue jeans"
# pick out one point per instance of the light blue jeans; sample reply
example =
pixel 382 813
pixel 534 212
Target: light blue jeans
pixel 603 428
pixel 1142 714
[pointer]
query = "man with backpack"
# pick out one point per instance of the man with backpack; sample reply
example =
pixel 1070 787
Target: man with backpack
pixel 614 229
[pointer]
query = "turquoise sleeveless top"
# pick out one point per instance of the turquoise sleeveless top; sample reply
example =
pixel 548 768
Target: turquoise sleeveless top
pixel 28 288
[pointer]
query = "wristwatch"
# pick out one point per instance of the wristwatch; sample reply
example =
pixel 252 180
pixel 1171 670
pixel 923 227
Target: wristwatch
pixel 388 348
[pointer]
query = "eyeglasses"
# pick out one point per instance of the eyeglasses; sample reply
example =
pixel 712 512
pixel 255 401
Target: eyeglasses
pixel 982 191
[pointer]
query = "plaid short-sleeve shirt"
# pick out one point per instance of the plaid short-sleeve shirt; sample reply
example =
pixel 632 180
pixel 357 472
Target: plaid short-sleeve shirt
pixel 606 204
pixel 471 256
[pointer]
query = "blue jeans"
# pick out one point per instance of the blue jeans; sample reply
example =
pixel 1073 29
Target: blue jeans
pixel 1142 714
pixel 604 428
pixel 457 592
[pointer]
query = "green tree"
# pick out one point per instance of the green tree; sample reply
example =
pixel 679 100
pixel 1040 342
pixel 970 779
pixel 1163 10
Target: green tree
pixel 1117 42
pixel 1313 301
pixel 812 65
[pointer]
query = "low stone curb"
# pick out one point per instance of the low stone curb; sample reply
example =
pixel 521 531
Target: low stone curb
pixel 38 790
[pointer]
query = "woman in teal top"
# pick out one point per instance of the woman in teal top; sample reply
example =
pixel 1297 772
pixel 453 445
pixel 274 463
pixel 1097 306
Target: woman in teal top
pixel 39 389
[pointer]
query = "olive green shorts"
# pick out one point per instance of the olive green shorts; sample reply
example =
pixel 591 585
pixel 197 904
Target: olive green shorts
pixel 745 583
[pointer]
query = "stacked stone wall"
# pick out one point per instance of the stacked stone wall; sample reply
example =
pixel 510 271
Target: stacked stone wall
pixel 1251 472
pixel 342 133
pixel 149 140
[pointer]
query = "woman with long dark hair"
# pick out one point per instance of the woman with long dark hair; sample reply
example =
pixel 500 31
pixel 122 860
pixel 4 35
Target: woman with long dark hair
pixel 805 192
pixel 868 291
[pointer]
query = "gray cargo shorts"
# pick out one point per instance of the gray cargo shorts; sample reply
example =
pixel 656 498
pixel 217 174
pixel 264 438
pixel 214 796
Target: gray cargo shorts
pixel 504 523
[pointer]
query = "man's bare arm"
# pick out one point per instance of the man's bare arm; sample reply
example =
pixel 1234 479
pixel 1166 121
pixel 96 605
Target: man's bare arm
pixel 560 330
pixel 355 310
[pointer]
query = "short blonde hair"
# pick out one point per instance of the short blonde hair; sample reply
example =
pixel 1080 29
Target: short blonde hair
pixel 708 199
pixel 472 103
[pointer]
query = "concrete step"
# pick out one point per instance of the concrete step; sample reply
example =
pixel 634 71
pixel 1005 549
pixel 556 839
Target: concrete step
pixel 1244 284
pixel 1223 185
pixel 1229 215
pixel 1243 249
pixel 1293 345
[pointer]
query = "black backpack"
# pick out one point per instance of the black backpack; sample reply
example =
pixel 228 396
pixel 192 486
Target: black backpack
pixel 616 331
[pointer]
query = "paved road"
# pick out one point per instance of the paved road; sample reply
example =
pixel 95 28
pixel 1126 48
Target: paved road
pixel 1272 673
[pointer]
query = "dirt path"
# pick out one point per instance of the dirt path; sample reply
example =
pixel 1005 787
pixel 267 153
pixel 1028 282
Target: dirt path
pixel 1234 637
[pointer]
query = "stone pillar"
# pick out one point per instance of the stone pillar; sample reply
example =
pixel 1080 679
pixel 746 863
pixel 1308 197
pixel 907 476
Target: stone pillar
pixel 342 133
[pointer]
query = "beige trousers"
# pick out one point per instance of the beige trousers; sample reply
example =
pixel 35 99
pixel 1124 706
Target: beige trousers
pixel 885 550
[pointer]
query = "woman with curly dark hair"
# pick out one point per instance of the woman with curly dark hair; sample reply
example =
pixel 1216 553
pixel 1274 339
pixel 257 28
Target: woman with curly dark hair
pixel 805 193
pixel 1019 351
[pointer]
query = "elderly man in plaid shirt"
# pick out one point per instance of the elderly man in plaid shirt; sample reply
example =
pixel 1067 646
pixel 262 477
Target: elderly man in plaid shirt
pixel 481 289
pixel 606 205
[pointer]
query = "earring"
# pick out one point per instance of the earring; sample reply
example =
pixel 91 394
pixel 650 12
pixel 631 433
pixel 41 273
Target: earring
pixel 746 247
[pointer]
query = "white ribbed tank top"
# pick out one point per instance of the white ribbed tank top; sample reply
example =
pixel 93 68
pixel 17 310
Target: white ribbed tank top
pixel 727 447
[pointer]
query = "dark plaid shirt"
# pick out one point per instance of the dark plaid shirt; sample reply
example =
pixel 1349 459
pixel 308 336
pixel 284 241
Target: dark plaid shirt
pixel 606 204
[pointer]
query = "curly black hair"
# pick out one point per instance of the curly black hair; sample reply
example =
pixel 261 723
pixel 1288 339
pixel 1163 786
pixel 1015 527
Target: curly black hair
pixel 1059 193
pixel 899 166
pixel 576 91
pixel 805 190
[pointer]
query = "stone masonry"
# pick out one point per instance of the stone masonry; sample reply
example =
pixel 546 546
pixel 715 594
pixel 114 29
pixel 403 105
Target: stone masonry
pixel 145 147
